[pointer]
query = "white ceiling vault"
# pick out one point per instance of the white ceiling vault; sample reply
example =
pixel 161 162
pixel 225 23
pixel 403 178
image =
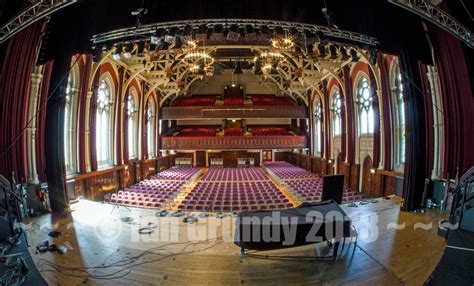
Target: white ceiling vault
pixel 157 55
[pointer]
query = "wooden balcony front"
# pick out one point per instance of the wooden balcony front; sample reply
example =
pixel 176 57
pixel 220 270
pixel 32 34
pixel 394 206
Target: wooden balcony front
pixel 233 143
pixel 199 112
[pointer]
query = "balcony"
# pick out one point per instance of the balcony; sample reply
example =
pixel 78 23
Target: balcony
pixel 231 142
pixel 200 112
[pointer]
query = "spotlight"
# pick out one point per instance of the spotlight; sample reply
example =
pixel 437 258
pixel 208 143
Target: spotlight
pixel 155 40
pixel 279 31
pixel 333 52
pixel 250 35
pixel 233 34
pixel 322 50
pixel 141 49
pixel 159 33
pixel 116 55
pixel 238 68
pixel 354 56
pixel 310 50
pixel 126 51
pixel 139 11
pixel 372 56
pixel 96 56
pixel 178 42
pixel 344 55
pixel 217 33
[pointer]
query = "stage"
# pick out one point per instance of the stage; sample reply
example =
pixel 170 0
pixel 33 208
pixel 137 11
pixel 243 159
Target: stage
pixel 203 253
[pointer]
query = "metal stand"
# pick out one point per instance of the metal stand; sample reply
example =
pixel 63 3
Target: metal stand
pixel 117 205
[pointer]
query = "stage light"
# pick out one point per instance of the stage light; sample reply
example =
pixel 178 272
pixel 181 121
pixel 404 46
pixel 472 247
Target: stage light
pixel 354 56
pixel 372 56
pixel 116 54
pixel 141 49
pixel 322 50
pixel 279 31
pixel 233 120
pixel 233 85
pixel 159 33
pixel 217 33
pixel 126 51
pixel 344 55
pixel 238 68
pixel 333 52
pixel 178 42
pixel 372 170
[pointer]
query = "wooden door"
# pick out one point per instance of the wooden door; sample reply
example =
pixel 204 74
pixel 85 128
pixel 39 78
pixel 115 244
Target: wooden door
pixel 367 176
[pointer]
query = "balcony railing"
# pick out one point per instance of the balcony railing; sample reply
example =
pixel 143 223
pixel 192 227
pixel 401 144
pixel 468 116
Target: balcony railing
pixel 198 112
pixel 240 142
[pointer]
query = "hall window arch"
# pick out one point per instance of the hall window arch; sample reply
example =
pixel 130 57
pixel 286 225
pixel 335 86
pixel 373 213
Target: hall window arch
pixel 151 127
pixel 70 120
pixel 336 108
pixel 132 123
pixel 365 106
pixel 104 121
pixel 398 114
pixel 318 121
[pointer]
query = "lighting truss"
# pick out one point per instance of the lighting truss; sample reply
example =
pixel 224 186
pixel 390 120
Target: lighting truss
pixel 33 13
pixel 149 30
pixel 438 17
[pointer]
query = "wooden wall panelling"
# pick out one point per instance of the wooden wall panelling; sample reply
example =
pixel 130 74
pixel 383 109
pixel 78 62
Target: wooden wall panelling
pixel 355 174
pixel 200 158
pixel 282 156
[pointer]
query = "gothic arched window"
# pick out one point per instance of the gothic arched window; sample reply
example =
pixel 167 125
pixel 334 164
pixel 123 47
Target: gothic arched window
pixel 366 111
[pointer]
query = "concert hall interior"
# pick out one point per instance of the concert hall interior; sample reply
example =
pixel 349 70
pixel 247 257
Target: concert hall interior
pixel 219 142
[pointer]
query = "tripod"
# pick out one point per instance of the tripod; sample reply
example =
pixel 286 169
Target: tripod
pixel 117 205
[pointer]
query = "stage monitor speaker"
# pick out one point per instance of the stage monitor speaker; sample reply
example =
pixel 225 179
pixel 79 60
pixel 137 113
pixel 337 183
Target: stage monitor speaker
pixel 333 187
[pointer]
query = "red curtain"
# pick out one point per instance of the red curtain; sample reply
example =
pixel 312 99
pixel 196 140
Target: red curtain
pixel 15 84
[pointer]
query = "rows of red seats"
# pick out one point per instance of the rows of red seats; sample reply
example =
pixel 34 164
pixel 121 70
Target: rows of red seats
pixel 197 100
pixel 233 101
pixel 305 185
pixel 270 100
pixel 270 132
pixel 197 132
pixel 157 192
pixel 235 192
pixel 233 132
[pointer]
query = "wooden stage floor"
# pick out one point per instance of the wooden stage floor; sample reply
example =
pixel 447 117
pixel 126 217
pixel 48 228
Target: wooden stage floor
pixel 189 254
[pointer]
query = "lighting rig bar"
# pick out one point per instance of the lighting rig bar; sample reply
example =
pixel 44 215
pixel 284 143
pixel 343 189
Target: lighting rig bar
pixel 438 17
pixel 149 30
pixel 33 13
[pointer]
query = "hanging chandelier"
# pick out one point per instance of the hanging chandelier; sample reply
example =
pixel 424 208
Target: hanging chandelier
pixel 282 44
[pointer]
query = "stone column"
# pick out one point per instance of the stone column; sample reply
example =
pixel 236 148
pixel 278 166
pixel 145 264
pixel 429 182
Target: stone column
pixel 36 80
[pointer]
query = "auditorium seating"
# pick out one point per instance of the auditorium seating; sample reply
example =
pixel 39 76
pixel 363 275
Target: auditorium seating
pixel 305 185
pixel 156 192
pixel 233 101
pixel 233 132
pixel 233 189
pixel 263 99
pixel 235 174
pixel 178 174
pixel 197 132
pixel 271 131
pixel 196 100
